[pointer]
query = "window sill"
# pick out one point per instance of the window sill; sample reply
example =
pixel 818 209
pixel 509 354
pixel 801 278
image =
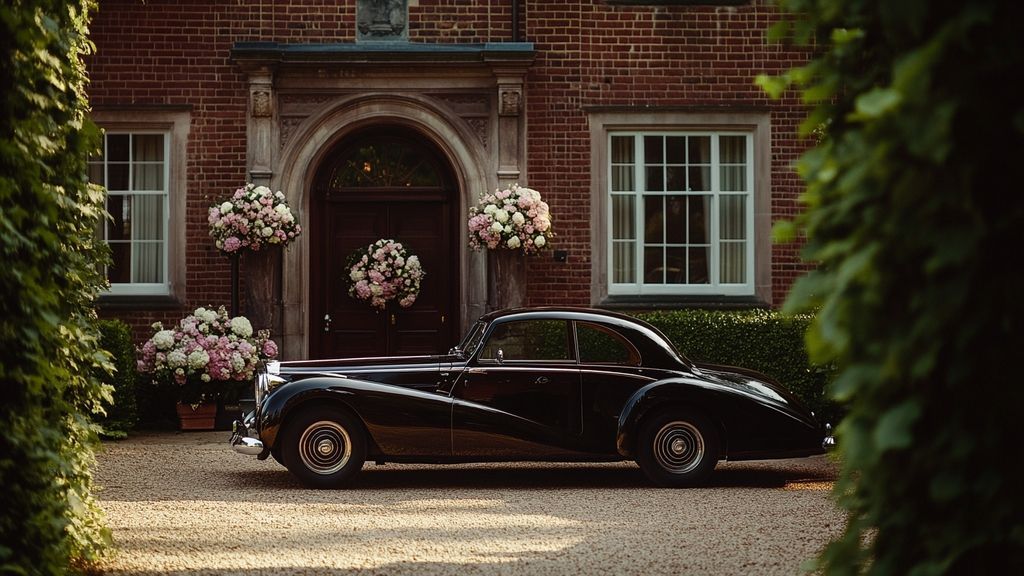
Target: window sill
pixel 140 302
pixel 678 302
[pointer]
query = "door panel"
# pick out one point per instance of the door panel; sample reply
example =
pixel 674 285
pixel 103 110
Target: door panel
pixel 384 182
pixel 355 328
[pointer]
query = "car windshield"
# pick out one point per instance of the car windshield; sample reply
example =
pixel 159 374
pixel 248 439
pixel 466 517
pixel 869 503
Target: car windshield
pixel 472 340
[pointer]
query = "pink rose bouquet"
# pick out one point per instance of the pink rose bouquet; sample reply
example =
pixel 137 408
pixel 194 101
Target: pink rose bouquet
pixel 513 219
pixel 253 218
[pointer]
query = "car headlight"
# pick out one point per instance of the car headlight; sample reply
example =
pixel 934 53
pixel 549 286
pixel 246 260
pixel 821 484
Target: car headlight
pixel 267 379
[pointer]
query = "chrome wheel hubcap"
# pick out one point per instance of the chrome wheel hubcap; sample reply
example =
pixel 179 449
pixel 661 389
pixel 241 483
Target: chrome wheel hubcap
pixel 325 447
pixel 678 447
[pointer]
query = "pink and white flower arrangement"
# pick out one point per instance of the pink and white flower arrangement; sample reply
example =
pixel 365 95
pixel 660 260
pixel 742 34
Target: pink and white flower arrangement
pixel 204 351
pixel 513 219
pixel 384 271
pixel 253 218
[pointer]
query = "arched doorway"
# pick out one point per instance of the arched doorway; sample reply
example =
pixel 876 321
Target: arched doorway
pixel 383 182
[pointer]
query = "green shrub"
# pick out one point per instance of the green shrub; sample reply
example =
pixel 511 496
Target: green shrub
pixel 121 414
pixel 913 215
pixel 49 347
pixel 766 341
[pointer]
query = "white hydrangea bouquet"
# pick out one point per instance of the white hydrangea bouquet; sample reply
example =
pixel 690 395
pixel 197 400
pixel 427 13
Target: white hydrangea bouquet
pixel 253 218
pixel 514 219
pixel 384 271
pixel 205 353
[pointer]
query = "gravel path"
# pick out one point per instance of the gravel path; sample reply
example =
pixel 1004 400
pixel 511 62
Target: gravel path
pixel 186 504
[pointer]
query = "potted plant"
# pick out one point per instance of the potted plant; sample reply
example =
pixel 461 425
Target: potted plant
pixel 511 224
pixel 254 221
pixel 206 357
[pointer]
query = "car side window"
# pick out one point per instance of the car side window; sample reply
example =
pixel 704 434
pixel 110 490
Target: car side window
pixel 601 345
pixel 528 340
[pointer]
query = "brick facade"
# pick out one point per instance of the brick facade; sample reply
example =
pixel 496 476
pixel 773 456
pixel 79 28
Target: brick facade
pixel 589 56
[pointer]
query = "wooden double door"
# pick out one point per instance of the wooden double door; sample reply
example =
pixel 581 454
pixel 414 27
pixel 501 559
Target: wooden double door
pixel 385 184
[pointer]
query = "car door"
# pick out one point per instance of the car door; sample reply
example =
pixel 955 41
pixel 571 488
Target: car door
pixel 519 396
pixel 611 370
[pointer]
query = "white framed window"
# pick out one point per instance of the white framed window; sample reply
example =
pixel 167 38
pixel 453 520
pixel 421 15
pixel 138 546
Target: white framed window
pixel 142 166
pixel 681 213
pixel 134 168
pixel 681 206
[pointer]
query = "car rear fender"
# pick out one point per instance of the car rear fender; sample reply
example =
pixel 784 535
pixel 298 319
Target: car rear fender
pixel 708 399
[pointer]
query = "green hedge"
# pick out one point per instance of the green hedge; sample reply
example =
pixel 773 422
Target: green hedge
pixel 50 354
pixel 122 414
pixel 766 341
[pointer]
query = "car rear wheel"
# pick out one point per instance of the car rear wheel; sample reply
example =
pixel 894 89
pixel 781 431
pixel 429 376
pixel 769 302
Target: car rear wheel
pixel 677 448
pixel 324 447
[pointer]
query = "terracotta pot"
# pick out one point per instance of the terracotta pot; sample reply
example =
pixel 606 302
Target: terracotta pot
pixel 197 416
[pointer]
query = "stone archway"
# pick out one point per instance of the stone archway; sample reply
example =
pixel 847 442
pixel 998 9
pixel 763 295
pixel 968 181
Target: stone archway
pixel 383 182
pixel 305 152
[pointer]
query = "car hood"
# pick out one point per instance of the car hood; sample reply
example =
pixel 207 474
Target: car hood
pixel 345 364
pixel 755 383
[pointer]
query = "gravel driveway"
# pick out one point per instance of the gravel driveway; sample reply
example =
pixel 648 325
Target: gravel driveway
pixel 185 503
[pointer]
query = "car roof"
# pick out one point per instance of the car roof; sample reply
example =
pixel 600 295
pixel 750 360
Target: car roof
pixel 663 347
pixel 558 312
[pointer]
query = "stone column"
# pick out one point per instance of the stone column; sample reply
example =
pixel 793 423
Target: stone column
pixel 262 270
pixel 259 125
pixel 511 129
pixel 506 269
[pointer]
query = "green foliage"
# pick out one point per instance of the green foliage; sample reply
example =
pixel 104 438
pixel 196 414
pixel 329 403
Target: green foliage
pixel 766 341
pixel 50 350
pixel 912 216
pixel 121 416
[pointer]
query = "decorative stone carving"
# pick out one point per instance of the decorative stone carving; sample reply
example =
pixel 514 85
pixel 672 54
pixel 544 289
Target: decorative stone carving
pixel 479 126
pixel 261 104
pixel 510 100
pixel 382 20
pixel 288 125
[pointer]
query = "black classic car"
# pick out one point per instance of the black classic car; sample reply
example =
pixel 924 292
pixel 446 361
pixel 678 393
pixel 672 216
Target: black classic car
pixel 540 384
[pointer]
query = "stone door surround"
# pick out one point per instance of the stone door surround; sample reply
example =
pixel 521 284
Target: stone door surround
pixel 303 98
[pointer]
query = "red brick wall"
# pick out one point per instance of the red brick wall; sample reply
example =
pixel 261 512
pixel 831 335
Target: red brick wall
pixel 592 54
pixel 176 52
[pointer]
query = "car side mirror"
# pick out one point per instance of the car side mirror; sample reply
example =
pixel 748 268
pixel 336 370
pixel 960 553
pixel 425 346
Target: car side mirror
pixel 501 356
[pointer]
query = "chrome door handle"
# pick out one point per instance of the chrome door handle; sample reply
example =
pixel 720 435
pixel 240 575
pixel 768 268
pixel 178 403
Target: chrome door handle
pixel 327 322
pixel 542 380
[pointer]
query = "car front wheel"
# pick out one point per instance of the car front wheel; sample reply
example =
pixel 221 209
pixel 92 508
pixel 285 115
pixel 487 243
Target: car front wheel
pixel 324 447
pixel 677 448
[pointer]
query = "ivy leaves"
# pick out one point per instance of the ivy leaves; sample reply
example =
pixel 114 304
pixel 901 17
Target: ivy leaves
pixel 908 208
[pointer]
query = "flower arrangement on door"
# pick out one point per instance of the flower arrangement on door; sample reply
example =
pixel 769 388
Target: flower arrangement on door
pixel 384 271
pixel 514 219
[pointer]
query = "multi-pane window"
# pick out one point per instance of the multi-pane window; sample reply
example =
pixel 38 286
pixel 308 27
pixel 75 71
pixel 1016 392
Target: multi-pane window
pixel 681 213
pixel 134 169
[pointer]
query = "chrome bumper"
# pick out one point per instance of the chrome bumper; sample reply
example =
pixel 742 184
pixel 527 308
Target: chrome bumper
pixel 243 440
pixel 829 442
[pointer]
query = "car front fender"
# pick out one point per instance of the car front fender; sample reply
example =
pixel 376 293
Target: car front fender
pixel 400 421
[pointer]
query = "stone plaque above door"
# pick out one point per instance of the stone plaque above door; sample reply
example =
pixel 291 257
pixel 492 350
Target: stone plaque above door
pixel 382 20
